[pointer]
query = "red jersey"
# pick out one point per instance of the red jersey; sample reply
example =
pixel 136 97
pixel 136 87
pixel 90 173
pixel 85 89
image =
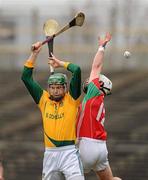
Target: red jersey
pixel 91 114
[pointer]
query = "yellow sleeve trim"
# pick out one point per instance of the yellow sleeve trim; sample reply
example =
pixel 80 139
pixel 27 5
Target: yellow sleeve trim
pixel 66 64
pixel 29 64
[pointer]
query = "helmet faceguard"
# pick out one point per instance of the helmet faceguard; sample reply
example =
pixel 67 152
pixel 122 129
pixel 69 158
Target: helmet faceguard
pixel 105 85
pixel 57 79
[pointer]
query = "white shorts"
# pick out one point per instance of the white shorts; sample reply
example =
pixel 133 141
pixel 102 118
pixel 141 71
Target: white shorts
pixel 94 154
pixel 65 160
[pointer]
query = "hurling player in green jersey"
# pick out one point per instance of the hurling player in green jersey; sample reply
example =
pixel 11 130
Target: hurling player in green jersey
pixel 58 106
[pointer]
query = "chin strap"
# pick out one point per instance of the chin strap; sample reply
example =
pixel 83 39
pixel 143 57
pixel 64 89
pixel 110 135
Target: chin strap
pixel 103 90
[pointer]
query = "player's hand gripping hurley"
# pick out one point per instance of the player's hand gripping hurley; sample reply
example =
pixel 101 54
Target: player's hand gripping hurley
pixel 50 29
pixel 78 20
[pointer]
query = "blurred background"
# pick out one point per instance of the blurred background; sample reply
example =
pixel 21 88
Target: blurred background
pixel 21 24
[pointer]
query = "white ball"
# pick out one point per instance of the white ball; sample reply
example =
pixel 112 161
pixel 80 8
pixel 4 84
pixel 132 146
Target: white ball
pixel 127 54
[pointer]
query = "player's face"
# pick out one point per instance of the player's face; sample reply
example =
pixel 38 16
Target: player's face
pixel 56 91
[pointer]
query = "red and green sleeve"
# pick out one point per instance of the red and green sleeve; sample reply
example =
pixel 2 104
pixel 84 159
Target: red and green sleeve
pixel 93 91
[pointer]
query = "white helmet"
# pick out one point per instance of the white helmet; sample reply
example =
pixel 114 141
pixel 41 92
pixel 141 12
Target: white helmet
pixel 106 85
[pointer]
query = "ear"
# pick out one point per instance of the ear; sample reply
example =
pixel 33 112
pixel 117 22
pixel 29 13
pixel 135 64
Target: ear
pixel 66 88
pixel 48 88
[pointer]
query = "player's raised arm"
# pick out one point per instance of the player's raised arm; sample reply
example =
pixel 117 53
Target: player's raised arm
pixel 98 59
pixel 27 74
pixel 75 82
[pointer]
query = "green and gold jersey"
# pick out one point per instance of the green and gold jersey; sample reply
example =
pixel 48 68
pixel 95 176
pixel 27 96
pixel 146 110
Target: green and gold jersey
pixel 59 118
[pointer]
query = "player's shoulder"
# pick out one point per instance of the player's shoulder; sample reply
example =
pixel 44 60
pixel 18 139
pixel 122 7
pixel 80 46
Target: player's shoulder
pixel 94 84
pixel 70 98
pixel 45 94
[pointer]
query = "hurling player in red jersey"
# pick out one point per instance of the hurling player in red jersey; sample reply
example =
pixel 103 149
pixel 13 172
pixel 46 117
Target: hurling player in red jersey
pixel 91 133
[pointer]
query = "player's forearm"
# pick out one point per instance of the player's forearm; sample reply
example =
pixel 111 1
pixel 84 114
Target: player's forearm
pixel 32 58
pixel 33 87
pixel 36 48
pixel 27 75
pixel 75 83
pixel 97 64
pixel 98 59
